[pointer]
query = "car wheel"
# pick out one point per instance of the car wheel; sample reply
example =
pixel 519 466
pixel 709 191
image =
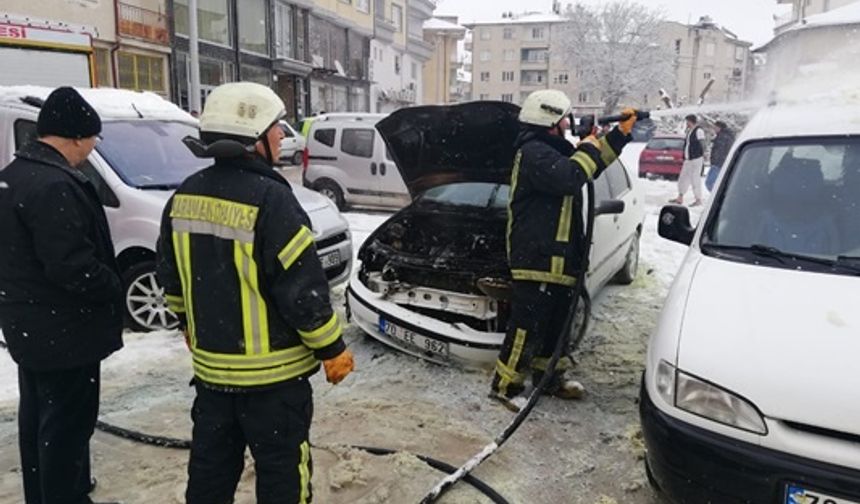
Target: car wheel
pixel 627 274
pixel 298 157
pixel 145 304
pixel 651 479
pixel 331 191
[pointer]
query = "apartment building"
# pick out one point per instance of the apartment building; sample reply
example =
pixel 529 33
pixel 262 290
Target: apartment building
pixel 802 9
pixel 703 52
pixel 443 73
pixel 398 53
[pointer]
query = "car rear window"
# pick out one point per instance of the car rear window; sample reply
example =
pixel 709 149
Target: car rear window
pixel 666 144
pixel 325 136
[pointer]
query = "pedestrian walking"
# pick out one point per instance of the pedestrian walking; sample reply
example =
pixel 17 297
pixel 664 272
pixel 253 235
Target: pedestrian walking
pixel 237 260
pixel 694 163
pixel 61 301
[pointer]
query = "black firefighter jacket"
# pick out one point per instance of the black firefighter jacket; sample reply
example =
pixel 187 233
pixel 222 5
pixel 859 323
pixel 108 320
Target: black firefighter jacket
pixel 237 259
pixel 61 302
pixel 545 225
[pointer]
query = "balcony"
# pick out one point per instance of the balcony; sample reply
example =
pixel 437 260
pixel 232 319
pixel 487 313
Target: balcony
pixel 143 24
pixel 384 29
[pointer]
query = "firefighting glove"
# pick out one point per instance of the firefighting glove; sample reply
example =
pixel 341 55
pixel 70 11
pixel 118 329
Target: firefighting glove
pixel 626 126
pixel 590 139
pixel 337 368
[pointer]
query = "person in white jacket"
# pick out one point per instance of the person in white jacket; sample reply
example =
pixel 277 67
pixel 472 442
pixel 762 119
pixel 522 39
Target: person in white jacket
pixel 694 163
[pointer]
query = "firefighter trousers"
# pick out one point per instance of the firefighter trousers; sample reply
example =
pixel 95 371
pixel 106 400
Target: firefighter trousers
pixel 56 418
pixel 273 423
pixel 538 312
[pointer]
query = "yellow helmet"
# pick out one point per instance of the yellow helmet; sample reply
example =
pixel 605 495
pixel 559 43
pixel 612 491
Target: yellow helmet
pixel 546 108
pixel 243 109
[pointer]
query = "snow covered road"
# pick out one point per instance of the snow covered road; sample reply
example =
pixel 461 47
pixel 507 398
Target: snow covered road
pixel 572 452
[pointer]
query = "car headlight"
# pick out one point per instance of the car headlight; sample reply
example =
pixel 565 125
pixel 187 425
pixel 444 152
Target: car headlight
pixel 707 400
pixel 665 381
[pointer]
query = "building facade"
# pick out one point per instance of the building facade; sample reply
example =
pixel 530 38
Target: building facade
pixel 444 77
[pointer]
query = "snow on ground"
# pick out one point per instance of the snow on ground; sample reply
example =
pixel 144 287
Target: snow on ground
pixel 575 452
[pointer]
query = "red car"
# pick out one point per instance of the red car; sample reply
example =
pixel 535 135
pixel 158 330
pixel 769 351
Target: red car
pixel 662 157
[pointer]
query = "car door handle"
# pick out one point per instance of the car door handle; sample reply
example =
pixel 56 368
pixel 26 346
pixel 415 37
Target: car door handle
pixel 615 219
pixel 373 168
pixel 382 169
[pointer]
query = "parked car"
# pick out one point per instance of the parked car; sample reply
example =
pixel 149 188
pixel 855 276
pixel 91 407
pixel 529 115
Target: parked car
pixel 348 163
pixel 431 276
pixel 135 168
pixel 663 156
pixel 292 145
pixel 750 388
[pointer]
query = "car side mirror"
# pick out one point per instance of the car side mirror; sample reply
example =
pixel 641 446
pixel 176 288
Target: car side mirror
pixel 609 207
pixel 675 224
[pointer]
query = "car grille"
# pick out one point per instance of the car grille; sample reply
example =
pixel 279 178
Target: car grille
pixel 332 240
pixel 844 436
pixel 336 271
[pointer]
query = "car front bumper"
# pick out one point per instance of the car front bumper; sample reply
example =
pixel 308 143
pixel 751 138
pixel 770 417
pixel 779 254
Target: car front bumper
pixel 694 465
pixel 466 346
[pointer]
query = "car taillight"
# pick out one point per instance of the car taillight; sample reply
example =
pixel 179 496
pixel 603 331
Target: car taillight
pixel 305 159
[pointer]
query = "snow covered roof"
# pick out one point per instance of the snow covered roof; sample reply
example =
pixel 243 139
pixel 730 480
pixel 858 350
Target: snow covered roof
pixel 531 17
pixel 442 25
pixel 111 104
pixel 849 14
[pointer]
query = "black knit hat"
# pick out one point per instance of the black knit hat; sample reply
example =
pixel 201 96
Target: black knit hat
pixel 66 114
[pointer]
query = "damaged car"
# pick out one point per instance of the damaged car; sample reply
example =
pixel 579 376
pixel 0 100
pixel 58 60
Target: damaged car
pixel 434 280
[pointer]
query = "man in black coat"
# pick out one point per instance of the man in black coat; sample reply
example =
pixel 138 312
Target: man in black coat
pixel 719 152
pixel 60 298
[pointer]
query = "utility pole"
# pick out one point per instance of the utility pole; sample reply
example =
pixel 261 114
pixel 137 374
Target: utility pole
pixel 194 59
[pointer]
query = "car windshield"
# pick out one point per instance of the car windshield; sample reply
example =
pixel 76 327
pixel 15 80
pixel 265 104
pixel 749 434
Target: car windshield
pixel 149 154
pixel 472 194
pixel 792 199
pixel 665 144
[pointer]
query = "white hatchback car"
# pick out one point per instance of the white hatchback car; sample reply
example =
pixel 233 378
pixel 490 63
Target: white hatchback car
pixel 751 391
pixel 135 168
pixel 422 287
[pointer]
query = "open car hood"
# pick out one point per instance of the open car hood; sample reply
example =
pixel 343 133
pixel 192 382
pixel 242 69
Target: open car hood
pixel 442 144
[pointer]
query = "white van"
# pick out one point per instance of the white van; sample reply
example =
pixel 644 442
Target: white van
pixel 751 391
pixel 135 168
pixel 346 161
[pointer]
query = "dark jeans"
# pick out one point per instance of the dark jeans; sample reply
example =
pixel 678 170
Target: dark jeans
pixel 274 423
pixel 56 418
pixel 538 313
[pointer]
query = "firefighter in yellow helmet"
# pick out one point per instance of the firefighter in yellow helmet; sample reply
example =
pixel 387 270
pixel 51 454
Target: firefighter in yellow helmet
pixel 546 238
pixel 237 260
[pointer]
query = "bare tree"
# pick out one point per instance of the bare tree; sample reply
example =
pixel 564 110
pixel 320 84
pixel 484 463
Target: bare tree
pixel 617 51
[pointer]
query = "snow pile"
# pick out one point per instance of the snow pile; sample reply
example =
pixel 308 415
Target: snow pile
pixel 111 104
pixel 849 14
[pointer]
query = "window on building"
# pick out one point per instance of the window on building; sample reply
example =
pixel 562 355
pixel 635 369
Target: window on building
pixel 710 49
pixel 415 28
pixel 582 97
pixel 739 53
pixel 507 97
pixel 325 136
pixel 485 34
pixel 580 73
pixel 561 78
pixel 510 55
pixel 677 46
pixel 103 67
pixel 214 20
pixel 301 29
pixel 485 56
pixel 485 76
pixel 362 6
pixel 252 26
pixel 141 73
pixel 507 76
pixel 397 17
pixel 508 33
pixel 284 30
pixel 256 74
pixel 397 64
pixel 538 33
pixel 357 142
pixel 532 78
pixel 414 70
pixel 533 55
pixel 707 75
pixel 484 97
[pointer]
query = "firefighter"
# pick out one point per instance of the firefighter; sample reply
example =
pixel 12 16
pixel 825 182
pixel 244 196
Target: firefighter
pixel 237 260
pixel 545 239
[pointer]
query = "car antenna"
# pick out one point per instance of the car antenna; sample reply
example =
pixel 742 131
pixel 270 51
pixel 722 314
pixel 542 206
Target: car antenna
pixel 139 115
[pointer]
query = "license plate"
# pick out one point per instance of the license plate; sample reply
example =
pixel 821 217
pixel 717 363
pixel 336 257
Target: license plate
pixel 664 158
pixel 798 495
pixel 413 340
pixel 330 260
